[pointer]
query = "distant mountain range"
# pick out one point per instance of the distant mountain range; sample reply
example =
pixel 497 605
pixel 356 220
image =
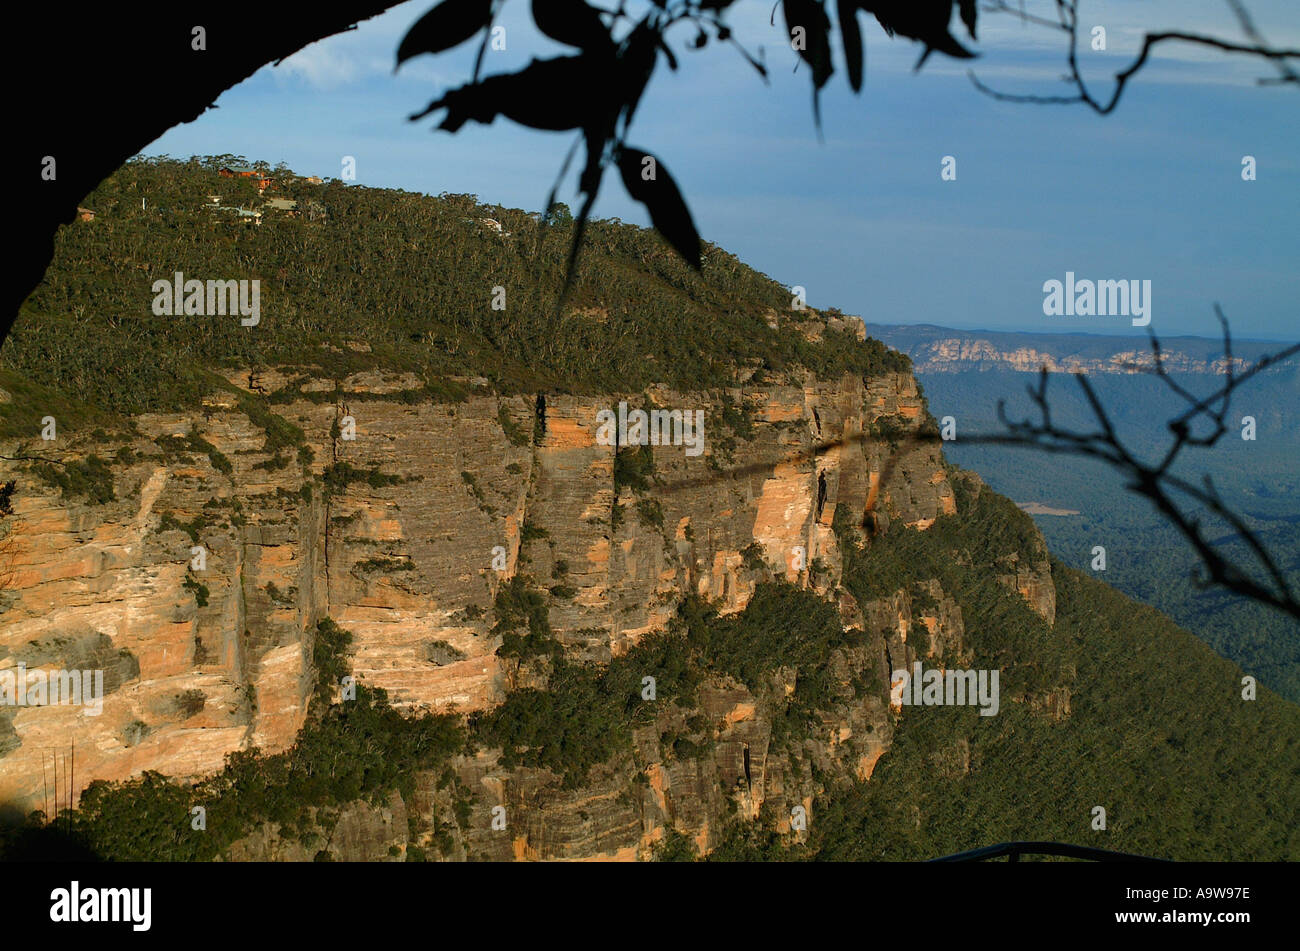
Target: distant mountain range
pixel 936 349
pixel 1080 503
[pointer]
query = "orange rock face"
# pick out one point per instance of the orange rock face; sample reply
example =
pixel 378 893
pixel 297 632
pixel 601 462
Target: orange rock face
pixel 404 536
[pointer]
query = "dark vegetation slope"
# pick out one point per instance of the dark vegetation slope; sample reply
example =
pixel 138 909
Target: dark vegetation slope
pixel 411 275
pixel 1159 734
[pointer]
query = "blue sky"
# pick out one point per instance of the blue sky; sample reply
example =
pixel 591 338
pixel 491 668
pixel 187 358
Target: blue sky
pixel 862 219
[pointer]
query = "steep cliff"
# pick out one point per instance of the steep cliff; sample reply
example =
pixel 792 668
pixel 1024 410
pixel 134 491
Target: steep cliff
pixel 404 531
pixel 370 585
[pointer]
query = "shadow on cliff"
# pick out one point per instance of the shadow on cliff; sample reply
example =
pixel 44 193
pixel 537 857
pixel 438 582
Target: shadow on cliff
pixel 30 838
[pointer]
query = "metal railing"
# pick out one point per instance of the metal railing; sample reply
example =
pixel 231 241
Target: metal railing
pixel 1013 851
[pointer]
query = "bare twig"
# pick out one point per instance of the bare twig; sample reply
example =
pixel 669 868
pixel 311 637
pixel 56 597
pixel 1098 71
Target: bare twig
pixel 1068 22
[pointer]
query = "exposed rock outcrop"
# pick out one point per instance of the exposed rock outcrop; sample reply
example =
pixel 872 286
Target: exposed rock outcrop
pixel 402 521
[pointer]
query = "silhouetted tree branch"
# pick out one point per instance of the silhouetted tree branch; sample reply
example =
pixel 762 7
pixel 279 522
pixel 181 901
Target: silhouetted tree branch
pixel 1068 23
pixel 1180 502
pixel 596 91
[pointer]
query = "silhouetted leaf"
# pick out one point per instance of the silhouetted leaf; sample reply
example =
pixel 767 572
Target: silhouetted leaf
pixel 811 15
pixel 571 22
pixel 556 93
pixel 449 24
pixel 851 35
pixel 662 198
pixel 669 55
pixel 924 20
pixel 968 16
pixel 756 63
pixel 636 65
pixel 552 94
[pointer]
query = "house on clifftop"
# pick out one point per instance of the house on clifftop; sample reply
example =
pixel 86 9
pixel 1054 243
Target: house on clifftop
pixel 262 181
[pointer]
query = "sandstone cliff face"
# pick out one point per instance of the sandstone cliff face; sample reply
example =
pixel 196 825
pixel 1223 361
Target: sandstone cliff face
pixel 404 535
pixel 730 767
